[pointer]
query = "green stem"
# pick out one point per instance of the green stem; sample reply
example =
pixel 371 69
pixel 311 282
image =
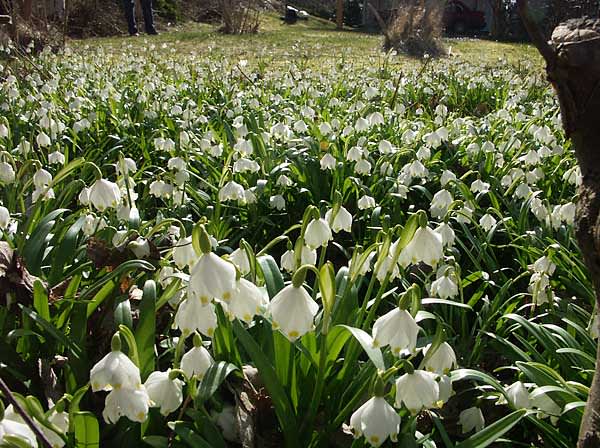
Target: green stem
pixel 318 390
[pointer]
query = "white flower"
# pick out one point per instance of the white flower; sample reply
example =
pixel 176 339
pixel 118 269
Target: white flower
pixel 293 312
pixel 487 221
pixel 140 247
pixel 366 202
pixel 196 362
pixel 13 425
pixel 425 246
pixel 42 178
pixel 277 202
pixel 284 181
pixel 328 162
pixel 478 186
pixel 44 193
pixel 164 392
pixel 440 203
pixel 231 191
pixel 4 217
pixel 544 265
pixel 567 213
pixel 362 167
pixel 446 177
pixel 354 154
pixel 114 371
pixel 131 403
pixel 385 147
pixel 243 165
pixel 471 419
pixel 104 194
pixel 342 220
pixel 239 258
pixel 376 420
pixel 547 406
pixel 43 139
pixel 442 360
pixel 213 277
pixel 445 385
pixel 446 233
pixel 418 390
pixel 317 233
pixel 7 173
pixel 176 163
pixel 184 253
pixel 518 396
pixel 397 329
pixel 246 301
pixel 56 158
pixel 444 286
pixel 193 315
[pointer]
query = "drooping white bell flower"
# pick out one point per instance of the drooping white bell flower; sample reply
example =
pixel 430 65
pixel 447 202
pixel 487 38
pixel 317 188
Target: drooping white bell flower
pixel 366 202
pixel 479 186
pixel 487 221
pixel 213 276
pixel 192 315
pixel 164 391
pixel 277 202
pixel 7 173
pixel 246 302
pixel 239 258
pixel 471 419
pixel 445 285
pixel 447 177
pixel 342 220
pixel 385 147
pixel 184 253
pixel 544 265
pixel 42 178
pixel 328 162
pixel 418 390
pixel 131 403
pixel 104 194
pixel 545 405
pixel 518 396
pixel 398 329
pixel 442 360
pixel 43 139
pixel 4 217
pixel 293 311
pixel 197 360
pixel 231 191
pixel 56 158
pixel 318 233
pixel 13 425
pixel 447 234
pixel 445 385
pixel 440 203
pixel 376 420
pixel 114 371
pixel 426 246
pixel 362 167
pixel 140 247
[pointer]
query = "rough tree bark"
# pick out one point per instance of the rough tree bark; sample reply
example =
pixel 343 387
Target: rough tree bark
pixel 339 14
pixel 573 67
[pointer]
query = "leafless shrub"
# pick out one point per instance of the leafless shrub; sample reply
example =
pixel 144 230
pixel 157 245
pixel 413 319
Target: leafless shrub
pixel 415 28
pixel 239 16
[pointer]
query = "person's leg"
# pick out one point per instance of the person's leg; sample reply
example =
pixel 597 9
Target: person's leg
pixel 129 6
pixel 148 16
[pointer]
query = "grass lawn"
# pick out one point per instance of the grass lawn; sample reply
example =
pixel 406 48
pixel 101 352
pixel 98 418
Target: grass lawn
pixel 313 43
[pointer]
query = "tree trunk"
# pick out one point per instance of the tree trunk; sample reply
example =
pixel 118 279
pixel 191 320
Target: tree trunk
pixel 339 15
pixel 573 67
pixel 27 10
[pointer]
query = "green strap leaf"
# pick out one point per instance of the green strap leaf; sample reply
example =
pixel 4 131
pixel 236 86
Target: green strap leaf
pixel 87 431
pixel 493 432
pixel 271 274
pixel 282 405
pixel 146 329
pixel 366 341
pixel 213 378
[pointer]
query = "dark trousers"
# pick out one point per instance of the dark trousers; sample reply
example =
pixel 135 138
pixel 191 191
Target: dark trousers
pixel 129 6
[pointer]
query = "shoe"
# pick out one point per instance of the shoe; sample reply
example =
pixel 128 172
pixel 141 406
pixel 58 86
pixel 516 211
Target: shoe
pixel 136 34
pixel 152 32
